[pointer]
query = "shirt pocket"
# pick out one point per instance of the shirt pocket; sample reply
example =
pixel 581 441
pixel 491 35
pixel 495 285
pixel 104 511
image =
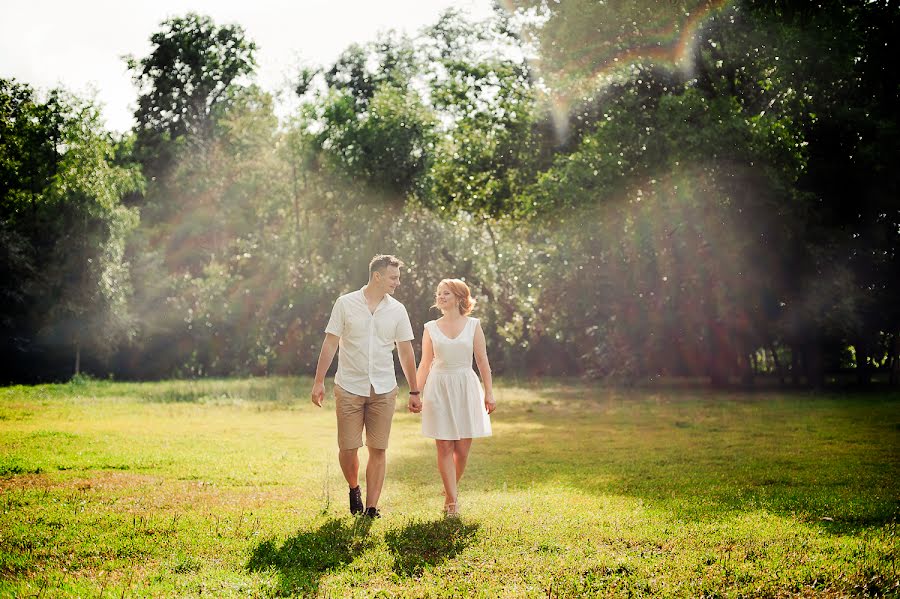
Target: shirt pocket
pixel 386 329
pixel 357 324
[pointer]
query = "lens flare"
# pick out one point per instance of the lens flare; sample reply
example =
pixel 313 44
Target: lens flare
pixel 671 275
pixel 581 46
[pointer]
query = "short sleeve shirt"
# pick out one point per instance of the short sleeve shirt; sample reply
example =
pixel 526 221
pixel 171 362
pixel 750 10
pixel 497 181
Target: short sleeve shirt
pixel 367 341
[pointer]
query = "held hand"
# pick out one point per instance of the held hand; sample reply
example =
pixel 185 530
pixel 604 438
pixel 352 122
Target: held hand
pixel 415 404
pixel 489 404
pixel 318 394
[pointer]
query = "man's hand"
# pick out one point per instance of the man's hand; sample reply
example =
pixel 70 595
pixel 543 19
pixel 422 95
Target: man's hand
pixel 318 393
pixel 329 348
pixel 415 404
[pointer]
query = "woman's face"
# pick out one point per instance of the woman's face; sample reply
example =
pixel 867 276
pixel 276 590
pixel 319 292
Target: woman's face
pixel 444 298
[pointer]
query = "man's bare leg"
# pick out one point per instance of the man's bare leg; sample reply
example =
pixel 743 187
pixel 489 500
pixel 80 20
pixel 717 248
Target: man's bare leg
pixel 375 470
pixel 349 461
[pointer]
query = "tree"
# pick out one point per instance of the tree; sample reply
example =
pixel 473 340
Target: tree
pixel 66 229
pixel 187 79
pixel 369 124
pixel 29 134
pixel 495 137
pixel 769 110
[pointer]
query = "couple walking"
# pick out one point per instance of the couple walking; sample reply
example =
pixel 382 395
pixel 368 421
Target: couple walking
pixel 365 326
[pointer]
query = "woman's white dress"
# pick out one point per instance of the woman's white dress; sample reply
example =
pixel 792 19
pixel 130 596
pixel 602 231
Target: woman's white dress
pixel 453 399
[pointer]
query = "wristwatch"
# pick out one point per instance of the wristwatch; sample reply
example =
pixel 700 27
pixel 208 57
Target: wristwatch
pixel 414 392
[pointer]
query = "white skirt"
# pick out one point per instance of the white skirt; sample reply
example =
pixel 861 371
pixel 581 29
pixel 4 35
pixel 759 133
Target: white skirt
pixel 453 406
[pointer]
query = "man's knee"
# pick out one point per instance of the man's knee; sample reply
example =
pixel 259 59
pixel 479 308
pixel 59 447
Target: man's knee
pixel 347 454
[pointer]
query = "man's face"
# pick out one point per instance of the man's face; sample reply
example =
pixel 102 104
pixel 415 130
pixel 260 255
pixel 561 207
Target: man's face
pixel 389 279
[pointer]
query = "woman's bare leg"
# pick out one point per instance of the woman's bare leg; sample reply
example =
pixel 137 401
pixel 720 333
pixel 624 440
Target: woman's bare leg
pixel 447 468
pixel 461 456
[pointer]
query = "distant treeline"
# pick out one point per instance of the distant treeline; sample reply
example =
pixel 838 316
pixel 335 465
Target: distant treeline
pixel 721 204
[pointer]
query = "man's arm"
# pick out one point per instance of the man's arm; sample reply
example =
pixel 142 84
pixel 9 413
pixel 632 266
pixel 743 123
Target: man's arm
pixel 427 357
pixel 408 363
pixel 326 356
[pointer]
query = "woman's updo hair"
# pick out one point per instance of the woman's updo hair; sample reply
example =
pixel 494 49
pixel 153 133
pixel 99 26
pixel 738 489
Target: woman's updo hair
pixel 461 291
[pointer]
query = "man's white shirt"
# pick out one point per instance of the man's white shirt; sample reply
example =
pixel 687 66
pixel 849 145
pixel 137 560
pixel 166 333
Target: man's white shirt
pixel 367 341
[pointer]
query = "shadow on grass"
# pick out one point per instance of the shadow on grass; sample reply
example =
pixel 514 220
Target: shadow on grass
pixel 304 558
pixel 424 544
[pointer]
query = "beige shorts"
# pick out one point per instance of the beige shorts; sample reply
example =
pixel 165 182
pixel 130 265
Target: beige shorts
pixel 355 412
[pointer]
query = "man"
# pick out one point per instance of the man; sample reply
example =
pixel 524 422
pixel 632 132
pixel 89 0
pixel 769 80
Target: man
pixel 366 325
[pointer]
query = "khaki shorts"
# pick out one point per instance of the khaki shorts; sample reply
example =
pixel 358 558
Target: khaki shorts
pixel 355 412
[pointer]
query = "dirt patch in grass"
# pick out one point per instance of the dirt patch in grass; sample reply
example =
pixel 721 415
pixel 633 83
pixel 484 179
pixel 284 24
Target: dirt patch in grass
pixel 107 481
pixel 131 492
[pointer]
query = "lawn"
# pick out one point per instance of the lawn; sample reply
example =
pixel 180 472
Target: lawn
pixel 231 488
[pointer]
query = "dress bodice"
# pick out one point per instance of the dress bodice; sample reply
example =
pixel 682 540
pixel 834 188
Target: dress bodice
pixel 452 354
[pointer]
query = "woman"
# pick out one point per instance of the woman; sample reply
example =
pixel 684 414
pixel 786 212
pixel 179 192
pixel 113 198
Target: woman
pixel 454 407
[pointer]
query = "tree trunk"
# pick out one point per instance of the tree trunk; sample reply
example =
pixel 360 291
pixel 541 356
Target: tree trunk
pixel 863 372
pixel 815 365
pixel 749 370
pixel 781 376
pixel 895 360
pixel 795 365
pixel 296 203
pixel 718 355
pixel 77 358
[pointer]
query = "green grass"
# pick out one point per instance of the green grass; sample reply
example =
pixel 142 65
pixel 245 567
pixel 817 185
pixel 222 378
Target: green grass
pixel 231 488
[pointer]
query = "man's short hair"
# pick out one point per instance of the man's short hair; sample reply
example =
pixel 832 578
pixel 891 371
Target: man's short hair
pixel 382 261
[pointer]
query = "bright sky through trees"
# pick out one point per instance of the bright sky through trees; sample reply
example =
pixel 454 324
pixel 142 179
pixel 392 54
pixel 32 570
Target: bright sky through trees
pixel 79 45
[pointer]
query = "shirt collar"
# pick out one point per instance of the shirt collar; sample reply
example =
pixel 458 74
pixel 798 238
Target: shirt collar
pixel 385 301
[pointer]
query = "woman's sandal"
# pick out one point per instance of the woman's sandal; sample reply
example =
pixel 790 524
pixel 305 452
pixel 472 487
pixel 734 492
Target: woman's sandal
pixel 451 510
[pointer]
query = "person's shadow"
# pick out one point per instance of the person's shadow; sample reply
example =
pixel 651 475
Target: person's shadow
pixel 304 558
pixel 424 544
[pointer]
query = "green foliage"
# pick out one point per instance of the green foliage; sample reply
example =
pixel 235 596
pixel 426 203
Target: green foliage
pixel 186 79
pixel 81 378
pixel 69 280
pixel 361 70
pixel 383 151
pixel 188 73
pixel 700 189
pixel 495 136
pixel 30 131
pixel 368 124
pixel 490 152
pixel 227 240
pixel 29 155
pixel 744 135
pixel 581 41
pixel 86 193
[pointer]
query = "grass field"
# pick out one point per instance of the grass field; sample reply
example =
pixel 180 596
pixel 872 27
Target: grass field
pixel 231 488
